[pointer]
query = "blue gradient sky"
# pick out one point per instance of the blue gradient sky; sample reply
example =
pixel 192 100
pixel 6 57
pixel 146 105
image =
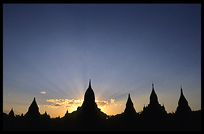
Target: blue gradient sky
pixel 122 48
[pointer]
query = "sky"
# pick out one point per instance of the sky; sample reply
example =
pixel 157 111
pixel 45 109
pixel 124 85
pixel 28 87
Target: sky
pixel 50 51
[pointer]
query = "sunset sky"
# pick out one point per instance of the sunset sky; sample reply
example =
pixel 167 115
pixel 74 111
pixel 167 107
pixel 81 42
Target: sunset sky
pixel 50 51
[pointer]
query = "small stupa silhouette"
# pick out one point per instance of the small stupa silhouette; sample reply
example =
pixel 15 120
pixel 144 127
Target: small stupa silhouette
pixel 66 114
pixel 183 107
pixel 153 97
pixel 33 110
pixel 11 113
pixel 129 109
pixel 45 115
pixel 154 108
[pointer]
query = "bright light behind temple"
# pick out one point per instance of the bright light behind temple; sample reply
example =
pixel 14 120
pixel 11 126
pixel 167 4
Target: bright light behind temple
pixel 71 104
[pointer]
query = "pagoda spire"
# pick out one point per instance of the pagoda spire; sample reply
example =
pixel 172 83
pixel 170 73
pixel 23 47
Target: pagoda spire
pixel 153 96
pixel 182 99
pixel 89 96
pixel 154 109
pixel 11 113
pixel 66 114
pixel 89 83
pixel 183 107
pixel 89 111
pixel 129 109
pixel 33 110
pixel 129 101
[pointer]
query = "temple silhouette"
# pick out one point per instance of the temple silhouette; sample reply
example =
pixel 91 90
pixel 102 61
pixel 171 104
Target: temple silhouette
pixel 33 111
pixel 154 109
pixel 183 107
pixel 89 117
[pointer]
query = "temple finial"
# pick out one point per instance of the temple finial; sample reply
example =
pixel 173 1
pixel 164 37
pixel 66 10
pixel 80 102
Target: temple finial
pixel 90 83
pixel 152 85
pixel 153 96
pixel 181 90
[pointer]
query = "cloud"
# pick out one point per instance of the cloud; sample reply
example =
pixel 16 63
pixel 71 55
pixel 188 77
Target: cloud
pixel 43 92
pixel 101 103
pixel 112 100
pixel 57 105
pixel 72 103
pixel 65 102
pixel 48 106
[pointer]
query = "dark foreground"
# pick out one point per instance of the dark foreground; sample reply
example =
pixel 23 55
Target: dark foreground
pixel 120 122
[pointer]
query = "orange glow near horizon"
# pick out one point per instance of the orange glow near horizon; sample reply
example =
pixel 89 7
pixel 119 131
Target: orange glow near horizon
pixel 58 107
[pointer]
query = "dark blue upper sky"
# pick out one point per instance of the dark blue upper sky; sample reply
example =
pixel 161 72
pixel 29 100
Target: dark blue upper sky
pixel 123 48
